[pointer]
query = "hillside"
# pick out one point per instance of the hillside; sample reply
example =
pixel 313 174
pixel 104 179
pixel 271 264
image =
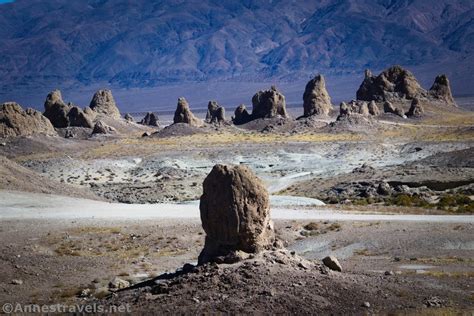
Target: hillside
pixel 59 43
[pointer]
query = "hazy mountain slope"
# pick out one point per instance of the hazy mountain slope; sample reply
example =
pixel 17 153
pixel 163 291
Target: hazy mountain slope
pixel 143 43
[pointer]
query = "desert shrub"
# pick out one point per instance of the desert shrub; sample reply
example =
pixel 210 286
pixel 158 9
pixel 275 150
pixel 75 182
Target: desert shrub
pixel 458 203
pixel 466 208
pixel 361 202
pixel 454 200
pixel 334 226
pixel 331 200
pixel 408 200
pixel 311 226
pixel 310 233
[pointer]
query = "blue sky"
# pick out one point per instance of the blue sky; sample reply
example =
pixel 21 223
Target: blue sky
pixel 6 1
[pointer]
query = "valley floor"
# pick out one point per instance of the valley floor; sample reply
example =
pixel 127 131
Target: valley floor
pixel 60 260
pixel 393 203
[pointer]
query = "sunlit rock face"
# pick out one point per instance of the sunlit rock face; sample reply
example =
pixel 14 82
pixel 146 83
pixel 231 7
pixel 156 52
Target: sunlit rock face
pixel 316 99
pixel 14 121
pixel 235 213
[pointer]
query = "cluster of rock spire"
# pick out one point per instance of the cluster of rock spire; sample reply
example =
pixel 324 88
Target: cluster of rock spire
pixel 376 94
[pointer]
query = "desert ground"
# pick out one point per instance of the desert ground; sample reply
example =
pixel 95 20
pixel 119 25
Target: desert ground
pixel 77 213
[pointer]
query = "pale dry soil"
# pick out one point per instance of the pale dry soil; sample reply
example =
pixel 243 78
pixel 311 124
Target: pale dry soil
pixel 57 259
pixel 60 246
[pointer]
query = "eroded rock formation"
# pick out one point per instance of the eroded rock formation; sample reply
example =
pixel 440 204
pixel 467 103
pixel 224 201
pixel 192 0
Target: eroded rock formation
pixel 102 128
pixel 241 115
pixel 183 114
pixel 64 115
pixel 56 110
pixel 344 109
pixel 103 103
pixel 393 83
pixel 235 213
pixel 388 107
pixel 268 103
pixel 129 118
pixel 373 108
pixel 316 99
pixel 14 121
pixel 356 109
pixel 150 119
pixel 441 90
pixel 215 113
pixel 363 109
pixel 77 117
pixel 416 110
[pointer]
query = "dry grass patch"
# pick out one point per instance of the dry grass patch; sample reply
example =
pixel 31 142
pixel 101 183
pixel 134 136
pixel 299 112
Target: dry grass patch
pixel 454 275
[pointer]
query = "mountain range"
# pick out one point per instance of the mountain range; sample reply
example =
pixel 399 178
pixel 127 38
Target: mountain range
pixel 143 43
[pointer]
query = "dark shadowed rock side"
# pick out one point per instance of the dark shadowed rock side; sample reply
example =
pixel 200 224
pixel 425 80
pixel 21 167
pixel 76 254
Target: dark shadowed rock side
pixel 56 110
pixel 129 118
pixel 416 110
pixel 215 113
pixel 269 103
pixel 80 118
pixel 393 83
pixel 235 213
pixel 373 108
pixel 64 115
pixel 388 107
pixel 241 115
pixel 183 114
pixel 103 102
pixel 396 83
pixel 441 90
pixel 150 119
pixel 14 121
pixel 102 128
pixel 316 99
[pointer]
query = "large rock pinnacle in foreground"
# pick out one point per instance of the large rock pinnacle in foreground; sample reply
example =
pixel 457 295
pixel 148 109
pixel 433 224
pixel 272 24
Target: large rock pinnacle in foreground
pixel 235 213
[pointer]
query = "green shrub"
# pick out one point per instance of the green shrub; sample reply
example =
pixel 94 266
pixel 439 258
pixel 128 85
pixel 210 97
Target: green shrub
pixel 457 203
pixel 408 200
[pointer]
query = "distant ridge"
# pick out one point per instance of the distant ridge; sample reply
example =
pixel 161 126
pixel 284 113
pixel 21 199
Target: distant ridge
pixel 61 43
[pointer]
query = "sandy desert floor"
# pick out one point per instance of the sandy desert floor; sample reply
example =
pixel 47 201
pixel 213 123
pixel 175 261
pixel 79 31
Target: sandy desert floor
pixel 76 213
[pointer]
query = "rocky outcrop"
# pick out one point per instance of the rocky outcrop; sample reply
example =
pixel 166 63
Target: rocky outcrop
pixel 373 108
pixel 77 117
pixel 241 115
pixel 344 109
pixel 56 110
pixel 102 128
pixel 69 134
pixel 416 110
pixel 393 83
pixel 363 109
pixel 64 115
pixel 89 113
pixel 14 121
pixel 316 100
pixel 269 103
pixel 356 109
pixel 215 113
pixel 441 90
pixel 332 263
pixel 183 114
pixel 129 118
pixel 150 119
pixel 103 103
pixel 388 107
pixel 235 213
